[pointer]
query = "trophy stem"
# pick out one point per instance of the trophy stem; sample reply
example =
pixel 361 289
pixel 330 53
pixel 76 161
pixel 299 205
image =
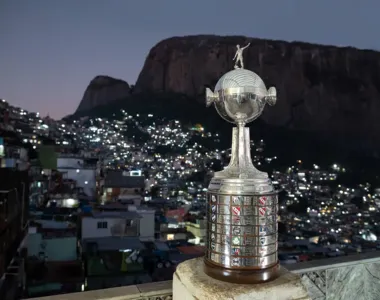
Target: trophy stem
pixel 240 165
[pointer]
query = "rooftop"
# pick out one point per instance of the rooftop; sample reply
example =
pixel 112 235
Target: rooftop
pixel 113 243
pixel 117 179
pixel 115 214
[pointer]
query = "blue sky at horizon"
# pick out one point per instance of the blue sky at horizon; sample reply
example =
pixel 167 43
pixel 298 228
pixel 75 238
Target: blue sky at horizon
pixel 50 49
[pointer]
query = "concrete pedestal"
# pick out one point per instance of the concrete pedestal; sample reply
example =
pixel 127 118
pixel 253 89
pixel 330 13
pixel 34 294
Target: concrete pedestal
pixel 191 283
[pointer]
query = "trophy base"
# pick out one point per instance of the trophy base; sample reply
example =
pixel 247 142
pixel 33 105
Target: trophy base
pixel 240 276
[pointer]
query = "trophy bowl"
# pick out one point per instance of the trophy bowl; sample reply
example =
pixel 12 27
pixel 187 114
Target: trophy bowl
pixel 240 96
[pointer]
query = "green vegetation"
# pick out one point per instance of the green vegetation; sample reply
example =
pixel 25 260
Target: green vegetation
pixel 47 157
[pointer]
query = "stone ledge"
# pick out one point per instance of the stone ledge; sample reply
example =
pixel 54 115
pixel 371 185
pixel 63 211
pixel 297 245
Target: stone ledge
pixel 334 262
pixel 154 290
pixel 191 283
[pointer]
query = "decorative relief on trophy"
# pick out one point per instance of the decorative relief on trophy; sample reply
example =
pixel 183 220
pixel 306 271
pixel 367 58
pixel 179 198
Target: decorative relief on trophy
pixel 242 203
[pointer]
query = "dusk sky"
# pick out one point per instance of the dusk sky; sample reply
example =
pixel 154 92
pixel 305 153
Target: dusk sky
pixel 51 49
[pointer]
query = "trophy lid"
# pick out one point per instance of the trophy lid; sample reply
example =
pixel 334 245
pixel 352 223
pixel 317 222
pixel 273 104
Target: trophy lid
pixel 242 79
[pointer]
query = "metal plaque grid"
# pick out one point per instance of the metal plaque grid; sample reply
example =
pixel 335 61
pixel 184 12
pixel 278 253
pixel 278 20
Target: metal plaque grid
pixel 242 231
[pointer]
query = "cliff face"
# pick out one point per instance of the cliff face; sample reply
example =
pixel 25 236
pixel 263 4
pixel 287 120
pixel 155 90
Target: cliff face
pixel 320 88
pixel 103 90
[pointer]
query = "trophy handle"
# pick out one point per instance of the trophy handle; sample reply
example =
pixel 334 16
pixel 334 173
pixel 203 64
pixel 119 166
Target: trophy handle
pixel 271 97
pixel 210 97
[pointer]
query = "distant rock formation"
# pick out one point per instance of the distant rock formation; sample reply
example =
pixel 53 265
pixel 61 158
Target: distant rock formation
pixel 103 90
pixel 320 88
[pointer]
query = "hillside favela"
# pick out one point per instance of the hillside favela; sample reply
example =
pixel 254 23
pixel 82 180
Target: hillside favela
pixel 162 165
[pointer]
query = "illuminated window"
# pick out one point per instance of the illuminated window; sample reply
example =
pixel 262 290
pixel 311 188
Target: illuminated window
pixel 170 237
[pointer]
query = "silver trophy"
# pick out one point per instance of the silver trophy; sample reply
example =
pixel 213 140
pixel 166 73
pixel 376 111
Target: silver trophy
pixel 242 203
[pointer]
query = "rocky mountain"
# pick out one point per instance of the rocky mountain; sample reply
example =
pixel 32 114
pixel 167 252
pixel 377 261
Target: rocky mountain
pixel 103 90
pixel 321 89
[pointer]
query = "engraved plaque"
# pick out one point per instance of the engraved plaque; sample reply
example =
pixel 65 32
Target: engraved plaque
pixel 259 240
pixel 224 259
pixel 236 262
pixel 236 240
pixel 237 230
pixel 245 230
pixel 223 219
pixel 242 231
pixel 249 250
pixel 239 261
pixel 224 229
pixel 243 220
pixel 212 256
pixel 265 201
pixel 243 240
pixel 224 200
pixel 248 200
pixel 224 239
pixel 237 251
pixel 267 229
pixel 213 246
pixel 237 200
pixel 268 220
pixel 245 210
pixel 263 211
pixel 222 248
pixel 236 220
pixel 236 210
pixel 262 262
pixel 224 209
pixel 249 210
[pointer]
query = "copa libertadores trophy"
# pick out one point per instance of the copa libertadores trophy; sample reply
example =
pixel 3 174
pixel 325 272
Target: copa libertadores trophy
pixel 242 202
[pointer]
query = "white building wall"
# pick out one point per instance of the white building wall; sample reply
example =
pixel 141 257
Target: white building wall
pixel 146 224
pixel 52 248
pixel 24 154
pixel 149 183
pixel 90 227
pixel 69 162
